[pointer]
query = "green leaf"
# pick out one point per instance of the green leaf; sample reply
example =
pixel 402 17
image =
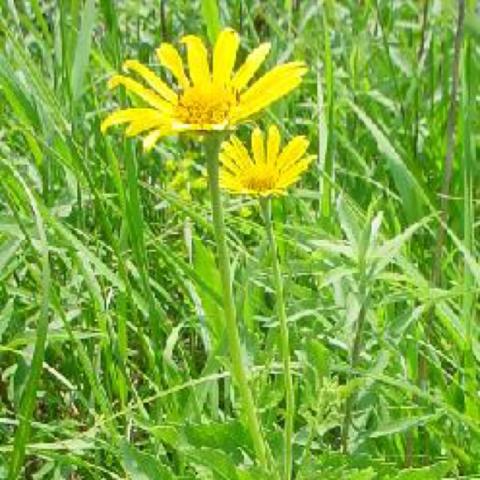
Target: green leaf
pixel 82 49
pixel 5 317
pixel 141 466
pixel 21 104
pixel 413 196
pixel 229 437
pixel 8 251
pixel 216 461
pixel 318 357
pixel 438 471
pixel 349 221
pixel 29 396
pixel 403 424
pixel 211 17
pixel 253 473
pixel 169 435
pixel 384 254
pixel 206 269
pixel 472 24
pixel 367 474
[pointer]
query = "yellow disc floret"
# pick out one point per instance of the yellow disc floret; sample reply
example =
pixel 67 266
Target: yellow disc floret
pixel 205 105
pixel 259 178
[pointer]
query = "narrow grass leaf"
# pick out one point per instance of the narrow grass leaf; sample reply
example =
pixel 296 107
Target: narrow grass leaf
pixel 211 17
pixel 82 49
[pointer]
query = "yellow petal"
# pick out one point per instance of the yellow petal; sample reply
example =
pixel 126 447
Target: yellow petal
pixel 236 150
pixel 258 147
pixel 292 174
pixel 281 73
pixel 229 163
pixel 152 138
pixel 153 80
pixel 230 182
pixel 273 85
pixel 224 55
pixel 144 93
pixel 250 66
pixel 294 150
pixel 273 144
pixel 170 58
pixel 197 60
pixel 144 124
pixel 124 116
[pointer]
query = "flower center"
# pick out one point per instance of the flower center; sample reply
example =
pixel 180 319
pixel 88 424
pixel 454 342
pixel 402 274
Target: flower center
pixel 259 178
pixel 205 104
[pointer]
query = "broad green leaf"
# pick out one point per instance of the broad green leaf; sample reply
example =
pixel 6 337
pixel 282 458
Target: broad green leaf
pixel 437 471
pixel 141 466
pixel 206 269
pixel 216 461
pixel 318 357
pixel 350 222
pixel 404 424
pixel 230 437
pixel 253 473
pixel 385 253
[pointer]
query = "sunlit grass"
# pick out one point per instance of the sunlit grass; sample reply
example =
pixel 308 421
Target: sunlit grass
pixel 361 280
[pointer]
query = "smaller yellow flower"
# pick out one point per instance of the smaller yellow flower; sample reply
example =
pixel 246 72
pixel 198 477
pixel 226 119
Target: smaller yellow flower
pixel 270 171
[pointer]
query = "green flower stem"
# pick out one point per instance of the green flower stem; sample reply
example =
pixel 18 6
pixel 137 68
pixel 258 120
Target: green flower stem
pixel 266 206
pixel 238 370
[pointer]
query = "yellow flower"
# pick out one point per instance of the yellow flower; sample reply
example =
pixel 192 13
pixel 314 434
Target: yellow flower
pixel 206 99
pixel 270 171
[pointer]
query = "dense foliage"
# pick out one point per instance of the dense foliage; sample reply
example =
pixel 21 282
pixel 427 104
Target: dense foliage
pixel 112 337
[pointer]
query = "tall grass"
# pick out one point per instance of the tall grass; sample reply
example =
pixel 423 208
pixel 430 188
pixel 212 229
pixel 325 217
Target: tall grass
pixel 114 360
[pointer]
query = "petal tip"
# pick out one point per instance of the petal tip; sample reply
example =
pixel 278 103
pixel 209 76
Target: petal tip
pixel 114 81
pixel 229 30
pixel 104 126
pixel 128 64
pixel 190 38
pixel 265 47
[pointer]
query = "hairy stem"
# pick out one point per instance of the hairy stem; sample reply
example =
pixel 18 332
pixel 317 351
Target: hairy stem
pixel 238 369
pixel 284 341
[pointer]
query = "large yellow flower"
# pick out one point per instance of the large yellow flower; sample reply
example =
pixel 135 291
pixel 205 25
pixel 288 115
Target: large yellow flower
pixel 270 171
pixel 206 99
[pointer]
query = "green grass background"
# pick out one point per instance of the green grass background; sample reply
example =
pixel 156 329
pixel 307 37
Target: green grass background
pixel 111 327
